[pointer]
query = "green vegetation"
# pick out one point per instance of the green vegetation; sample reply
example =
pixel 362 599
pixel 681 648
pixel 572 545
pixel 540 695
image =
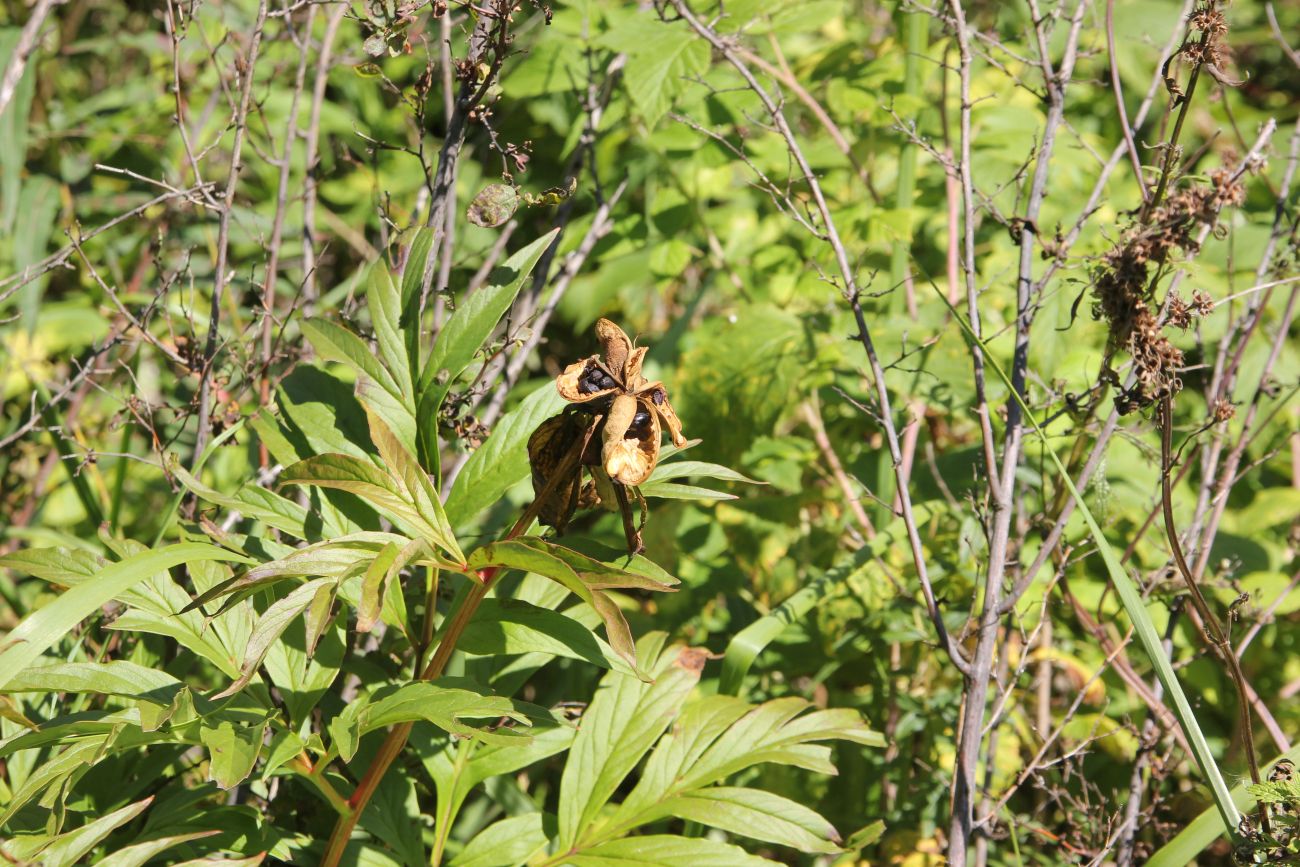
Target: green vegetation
pixel 490 434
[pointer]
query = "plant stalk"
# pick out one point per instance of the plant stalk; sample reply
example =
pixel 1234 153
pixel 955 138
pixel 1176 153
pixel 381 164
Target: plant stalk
pixel 397 736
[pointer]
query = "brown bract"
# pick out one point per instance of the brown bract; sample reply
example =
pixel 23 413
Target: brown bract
pixel 612 403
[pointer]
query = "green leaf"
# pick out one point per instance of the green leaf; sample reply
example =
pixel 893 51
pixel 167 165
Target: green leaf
pixel 698 469
pixel 469 328
pixel 718 736
pixel 415 483
pixel 501 462
pixel 581 575
pixel 660 60
pixel 676 491
pixel 44 627
pixel 462 765
pixel 141 853
pixel 445 707
pixel 66 566
pixel 506 842
pixel 119 678
pixel 373 485
pixel 662 850
pixel 337 558
pixel 252 501
pixel 757 814
pixel 232 751
pixel 336 343
pixel 417 257
pixel 73 760
pixel 270 626
pixel 385 305
pixel 378 574
pixel 620 726
pixel 68 848
pixel 397 416
pixel 413 272
pixel 511 627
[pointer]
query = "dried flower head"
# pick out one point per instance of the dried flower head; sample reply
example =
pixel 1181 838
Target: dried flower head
pixel 1179 313
pixel 1122 285
pixel 1202 303
pixel 613 405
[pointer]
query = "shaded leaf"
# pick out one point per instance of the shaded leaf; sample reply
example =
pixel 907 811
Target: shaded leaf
pixel 70 847
pixel 511 627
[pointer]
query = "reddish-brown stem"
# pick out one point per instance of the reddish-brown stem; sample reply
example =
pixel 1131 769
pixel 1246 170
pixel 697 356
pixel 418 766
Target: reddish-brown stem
pixel 396 738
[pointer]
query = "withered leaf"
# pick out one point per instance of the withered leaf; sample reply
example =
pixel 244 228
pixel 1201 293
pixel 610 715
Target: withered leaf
pixel 494 204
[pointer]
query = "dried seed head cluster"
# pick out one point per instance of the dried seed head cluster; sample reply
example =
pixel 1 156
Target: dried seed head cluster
pixel 1210 22
pixel 617 416
pixel 1122 284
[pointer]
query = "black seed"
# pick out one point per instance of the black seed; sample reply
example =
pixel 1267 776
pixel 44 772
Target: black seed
pixel 658 397
pixel 641 419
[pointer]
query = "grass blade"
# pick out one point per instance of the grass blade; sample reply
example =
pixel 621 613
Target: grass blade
pixel 1131 600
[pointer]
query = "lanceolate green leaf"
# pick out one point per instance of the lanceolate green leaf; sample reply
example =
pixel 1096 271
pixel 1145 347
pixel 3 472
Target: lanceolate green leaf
pixel 510 627
pixel 385 315
pixel 270 626
pixel 417 256
pixel 336 343
pixel 1134 604
pixel 620 726
pixel 252 501
pixel 662 850
pixel 118 678
pixel 72 759
pixel 377 488
pixel 70 847
pixel 43 628
pixel 477 316
pixel 756 814
pixel 504 843
pixel 501 462
pixel 467 331
pixel 414 481
pixel 581 575
pixel 445 707
pixel 141 853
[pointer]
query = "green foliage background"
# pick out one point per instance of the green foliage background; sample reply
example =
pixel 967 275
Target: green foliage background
pixel 707 266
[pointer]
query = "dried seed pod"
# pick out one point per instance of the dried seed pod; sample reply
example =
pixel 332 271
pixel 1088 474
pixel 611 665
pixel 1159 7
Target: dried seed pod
pixel 630 454
pixel 659 401
pixel 547 448
pixel 619 414
pixel 616 345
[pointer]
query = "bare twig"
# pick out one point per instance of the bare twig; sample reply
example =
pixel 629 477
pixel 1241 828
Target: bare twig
pixel 219 275
pixel 852 294
pixel 13 71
